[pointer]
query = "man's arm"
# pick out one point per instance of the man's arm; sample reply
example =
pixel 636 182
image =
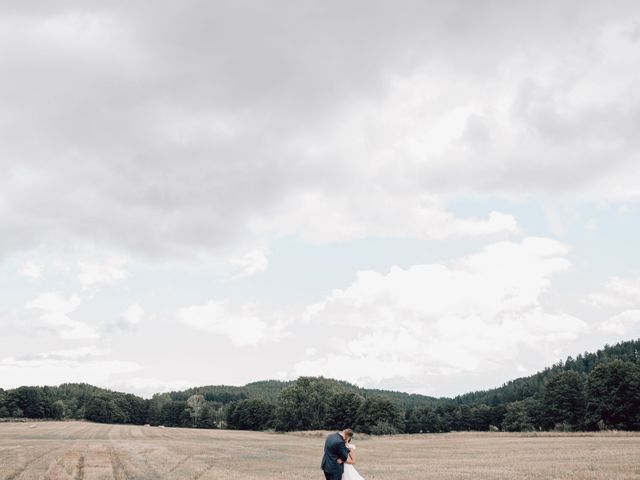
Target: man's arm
pixel 343 452
pixel 340 450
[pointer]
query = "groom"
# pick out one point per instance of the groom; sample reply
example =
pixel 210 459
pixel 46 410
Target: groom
pixel 335 454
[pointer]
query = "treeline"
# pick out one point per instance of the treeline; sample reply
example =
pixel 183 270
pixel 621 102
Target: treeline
pixel 312 403
pixel 308 403
pixel 73 401
pixel 534 385
pixel 606 398
pixel 589 392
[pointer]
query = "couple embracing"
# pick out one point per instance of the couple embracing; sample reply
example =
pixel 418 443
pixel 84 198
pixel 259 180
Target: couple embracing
pixel 339 457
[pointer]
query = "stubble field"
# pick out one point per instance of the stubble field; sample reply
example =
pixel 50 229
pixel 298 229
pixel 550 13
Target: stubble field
pixel 78 450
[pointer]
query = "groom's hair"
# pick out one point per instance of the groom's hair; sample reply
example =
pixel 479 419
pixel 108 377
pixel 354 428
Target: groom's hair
pixel 348 432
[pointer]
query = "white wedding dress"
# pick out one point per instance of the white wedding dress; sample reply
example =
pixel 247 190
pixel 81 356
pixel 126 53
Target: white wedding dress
pixel 350 472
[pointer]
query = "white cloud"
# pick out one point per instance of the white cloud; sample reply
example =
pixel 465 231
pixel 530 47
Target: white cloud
pixel 617 292
pixel 321 217
pixel 226 126
pixel 472 315
pixel 128 320
pixel 30 269
pixel 250 263
pixel 55 312
pixel 242 324
pixel 78 353
pixel 556 224
pixel 133 314
pixel 54 370
pixel 622 296
pixel 91 274
pixel 356 150
pixel 625 323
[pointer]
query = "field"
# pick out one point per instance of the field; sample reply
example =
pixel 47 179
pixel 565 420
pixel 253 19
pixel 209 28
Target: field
pixel 78 450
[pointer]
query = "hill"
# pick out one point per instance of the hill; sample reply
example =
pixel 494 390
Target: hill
pixel 591 391
pixel 534 386
pixel 269 391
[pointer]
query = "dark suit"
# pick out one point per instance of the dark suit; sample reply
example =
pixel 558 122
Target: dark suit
pixel 334 449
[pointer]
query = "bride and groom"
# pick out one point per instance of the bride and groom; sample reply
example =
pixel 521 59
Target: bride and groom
pixel 339 457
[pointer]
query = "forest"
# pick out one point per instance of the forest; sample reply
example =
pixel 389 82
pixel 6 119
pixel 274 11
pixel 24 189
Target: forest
pixel 593 391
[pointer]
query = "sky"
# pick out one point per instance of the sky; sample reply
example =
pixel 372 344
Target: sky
pixel 432 197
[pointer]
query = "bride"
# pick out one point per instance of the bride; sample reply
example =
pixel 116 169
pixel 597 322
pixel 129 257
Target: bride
pixel 350 472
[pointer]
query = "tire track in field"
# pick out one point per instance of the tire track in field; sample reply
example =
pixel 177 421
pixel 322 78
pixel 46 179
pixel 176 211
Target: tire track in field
pixel 179 464
pixel 80 469
pixel 20 470
pixel 129 466
pixel 57 464
pixel 118 468
pixel 143 463
pixel 201 474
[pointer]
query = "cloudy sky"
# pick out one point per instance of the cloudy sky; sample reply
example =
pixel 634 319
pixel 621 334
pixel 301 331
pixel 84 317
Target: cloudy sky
pixel 433 197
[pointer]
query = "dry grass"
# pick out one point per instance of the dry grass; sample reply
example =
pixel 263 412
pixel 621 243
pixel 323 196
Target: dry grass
pixel 85 451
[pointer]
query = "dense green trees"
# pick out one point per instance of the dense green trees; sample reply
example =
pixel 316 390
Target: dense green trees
pixel 176 414
pixel 211 416
pixel 304 405
pixel 104 410
pixel 592 391
pixel 251 414
pixel 613 391
pixel 195 410
pixel 424 420
pixel 564 401
pixel 156 408
pixel 31 402
pixel 380 415
pixel 117 408
pixel 342 411
pixel 534 386
pixel 312 403
pixel 518 417
pixel 196 404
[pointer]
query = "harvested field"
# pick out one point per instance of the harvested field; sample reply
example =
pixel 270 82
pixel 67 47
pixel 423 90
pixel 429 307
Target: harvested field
pixel 86 451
